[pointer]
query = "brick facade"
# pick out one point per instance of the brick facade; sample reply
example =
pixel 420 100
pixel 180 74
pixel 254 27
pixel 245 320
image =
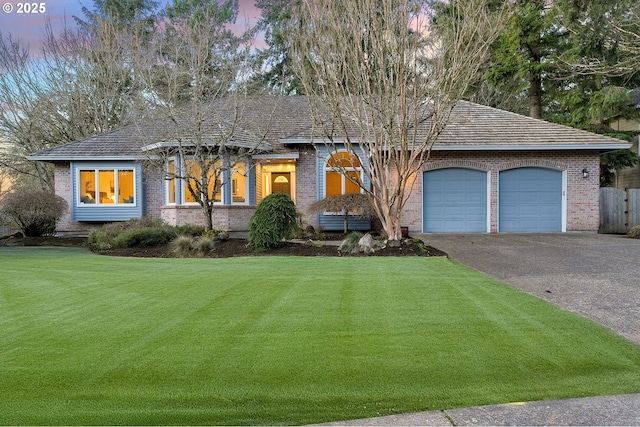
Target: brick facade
pixel 306 185
pixel 582 195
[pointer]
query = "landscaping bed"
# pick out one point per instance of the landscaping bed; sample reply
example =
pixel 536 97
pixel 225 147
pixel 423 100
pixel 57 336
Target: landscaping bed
pixel 237 248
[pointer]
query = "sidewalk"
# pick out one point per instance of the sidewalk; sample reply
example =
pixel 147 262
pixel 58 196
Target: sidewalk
pixel 621 410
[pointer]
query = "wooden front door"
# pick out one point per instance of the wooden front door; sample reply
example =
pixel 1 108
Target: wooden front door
pixel 281 182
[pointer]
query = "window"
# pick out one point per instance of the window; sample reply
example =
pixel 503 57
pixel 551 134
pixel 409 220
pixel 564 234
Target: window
pixel 171 182
pixel 192 172
pixel 106 187
pixel 239 183
pixel 342 170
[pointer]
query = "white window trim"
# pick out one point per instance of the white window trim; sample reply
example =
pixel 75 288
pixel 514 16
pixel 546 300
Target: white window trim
pixel 343 179
pixel 115 204
pixel 246 185
pixel 169 182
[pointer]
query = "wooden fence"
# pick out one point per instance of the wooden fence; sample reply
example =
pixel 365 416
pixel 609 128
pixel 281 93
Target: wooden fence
pixel 619 210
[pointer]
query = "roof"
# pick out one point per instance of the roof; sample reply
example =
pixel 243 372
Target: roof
pixel 262 119
pixel 276 120
pixel 478 127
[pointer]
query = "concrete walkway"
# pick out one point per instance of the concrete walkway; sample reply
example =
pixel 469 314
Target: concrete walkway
pixel 596 276
pixel 622 410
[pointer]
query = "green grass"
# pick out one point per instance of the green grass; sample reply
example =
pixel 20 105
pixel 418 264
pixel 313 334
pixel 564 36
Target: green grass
pixel 86 339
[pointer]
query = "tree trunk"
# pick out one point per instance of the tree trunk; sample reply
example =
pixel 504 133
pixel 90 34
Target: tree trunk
pixel 207 211
pixel 346 222
pixel 535 97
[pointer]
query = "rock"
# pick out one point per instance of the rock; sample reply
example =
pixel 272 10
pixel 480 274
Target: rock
pixel 394 243
pixel 366 244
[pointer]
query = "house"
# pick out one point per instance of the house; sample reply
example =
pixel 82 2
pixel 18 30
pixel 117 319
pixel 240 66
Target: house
pixel 490 171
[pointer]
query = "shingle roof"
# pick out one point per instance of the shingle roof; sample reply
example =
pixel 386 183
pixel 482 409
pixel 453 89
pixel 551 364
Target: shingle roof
pixel 473 126
pixel 288 119
pixel 265 118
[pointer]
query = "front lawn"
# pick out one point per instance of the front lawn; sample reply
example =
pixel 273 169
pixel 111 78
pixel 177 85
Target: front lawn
pixel 86 339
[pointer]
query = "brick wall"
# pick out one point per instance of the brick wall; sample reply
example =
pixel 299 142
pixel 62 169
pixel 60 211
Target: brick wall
pixel 228 218
pixel 306 184
pixel 582 194
pixel 153 188
pixel 62 176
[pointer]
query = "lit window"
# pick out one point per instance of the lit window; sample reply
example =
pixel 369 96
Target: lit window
pixel 106 187
pixel 171 182
pixel 192 173
pixel 342 170
pixel 239 183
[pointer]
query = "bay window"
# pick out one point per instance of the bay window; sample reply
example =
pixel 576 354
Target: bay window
pixel 193 179
pixel 229 183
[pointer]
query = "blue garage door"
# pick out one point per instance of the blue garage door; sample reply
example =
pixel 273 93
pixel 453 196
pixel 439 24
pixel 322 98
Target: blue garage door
pixel 530 200
pixel 454 201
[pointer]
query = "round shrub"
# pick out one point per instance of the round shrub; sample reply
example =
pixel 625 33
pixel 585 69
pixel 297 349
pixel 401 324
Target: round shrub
pixel 34 212
pixel 273 221
pixel 634 232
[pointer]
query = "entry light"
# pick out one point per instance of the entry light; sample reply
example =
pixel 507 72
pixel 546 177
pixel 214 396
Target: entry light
pixel 585 173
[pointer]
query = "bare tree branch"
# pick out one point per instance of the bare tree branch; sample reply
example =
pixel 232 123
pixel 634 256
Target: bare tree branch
pixel 382 83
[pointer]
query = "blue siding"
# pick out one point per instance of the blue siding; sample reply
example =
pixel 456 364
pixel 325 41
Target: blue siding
pixel 530 200
pixel 455 201
pixel 335 222
pixel 104 213
pixel 227 185
pixel 252 183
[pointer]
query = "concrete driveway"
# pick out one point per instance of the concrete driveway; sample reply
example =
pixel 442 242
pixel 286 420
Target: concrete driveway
pixel 594 275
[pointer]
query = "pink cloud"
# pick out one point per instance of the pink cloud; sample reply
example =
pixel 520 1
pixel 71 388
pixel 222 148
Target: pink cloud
pixel 29 28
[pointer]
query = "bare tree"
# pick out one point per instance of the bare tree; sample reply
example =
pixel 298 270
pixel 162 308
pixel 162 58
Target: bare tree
pixel 629 31
pixel 382 83
pixel 195 76
pixel 78 85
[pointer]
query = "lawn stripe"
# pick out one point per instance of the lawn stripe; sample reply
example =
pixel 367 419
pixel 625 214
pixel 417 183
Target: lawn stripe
pixel 86 339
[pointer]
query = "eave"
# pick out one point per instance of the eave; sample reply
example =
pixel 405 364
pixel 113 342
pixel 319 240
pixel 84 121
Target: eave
pixel 536 147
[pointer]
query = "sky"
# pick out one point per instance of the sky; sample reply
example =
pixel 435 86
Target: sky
pixel 29 27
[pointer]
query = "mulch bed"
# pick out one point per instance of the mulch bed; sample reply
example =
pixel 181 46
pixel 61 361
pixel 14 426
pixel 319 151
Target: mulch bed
pixel 230 248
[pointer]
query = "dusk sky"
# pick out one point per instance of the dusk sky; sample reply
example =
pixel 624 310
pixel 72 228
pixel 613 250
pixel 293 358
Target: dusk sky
pixel 29 26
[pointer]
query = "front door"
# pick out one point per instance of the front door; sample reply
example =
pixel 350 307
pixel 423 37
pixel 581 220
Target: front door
pixel 281 182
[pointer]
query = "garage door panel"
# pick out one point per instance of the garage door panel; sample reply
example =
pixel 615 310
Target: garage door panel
pixel 455 200
pixel 530 200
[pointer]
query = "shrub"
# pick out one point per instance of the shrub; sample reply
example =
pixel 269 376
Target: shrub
pixel 102 238
pixel 357 206
pixel 189 230
pixel 350 244
pixel 182 245
pixel 188 246
pixel 145 231
pixel 34 212
pixel 634 232
pixel 203 244
pixel 273 221
pixel 146 236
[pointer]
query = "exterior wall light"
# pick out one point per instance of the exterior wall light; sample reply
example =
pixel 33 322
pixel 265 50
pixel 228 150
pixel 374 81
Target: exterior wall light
pixel 585 173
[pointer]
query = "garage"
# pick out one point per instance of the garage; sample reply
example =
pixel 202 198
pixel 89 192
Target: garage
pixel 530 200
pixel 455 201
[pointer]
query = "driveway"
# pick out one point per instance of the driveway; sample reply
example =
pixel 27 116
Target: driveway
pixel 594 275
